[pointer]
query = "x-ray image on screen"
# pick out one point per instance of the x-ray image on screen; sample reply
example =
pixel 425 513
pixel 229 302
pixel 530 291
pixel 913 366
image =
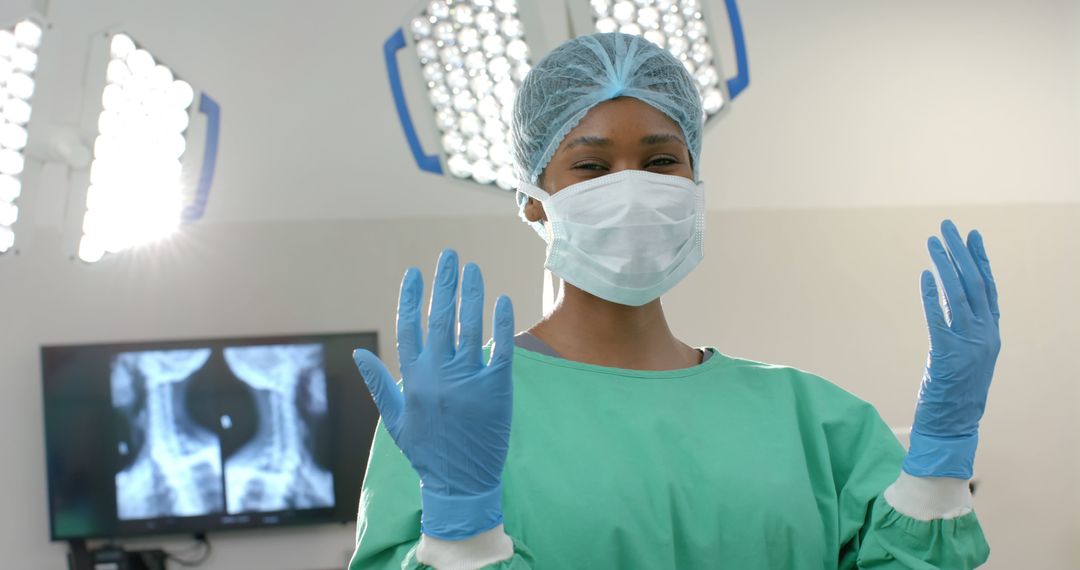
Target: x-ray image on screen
pixel 171 466
pixel 276 469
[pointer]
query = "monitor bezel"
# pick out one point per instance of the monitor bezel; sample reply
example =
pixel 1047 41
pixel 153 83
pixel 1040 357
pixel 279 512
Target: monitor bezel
pixel 200 525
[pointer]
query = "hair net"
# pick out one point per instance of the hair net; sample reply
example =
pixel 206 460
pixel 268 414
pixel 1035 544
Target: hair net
pixel 588 70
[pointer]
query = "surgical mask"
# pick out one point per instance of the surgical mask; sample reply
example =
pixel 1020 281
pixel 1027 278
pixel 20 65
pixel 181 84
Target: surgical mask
pixel 626 237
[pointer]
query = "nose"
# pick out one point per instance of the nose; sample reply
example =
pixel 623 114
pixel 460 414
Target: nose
pixel 621 164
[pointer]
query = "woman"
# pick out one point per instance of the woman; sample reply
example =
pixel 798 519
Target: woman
pixel 630 449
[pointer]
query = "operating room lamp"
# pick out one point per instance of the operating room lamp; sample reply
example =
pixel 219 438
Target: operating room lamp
pixel 155 141
pixel 18 62
pixel 468 58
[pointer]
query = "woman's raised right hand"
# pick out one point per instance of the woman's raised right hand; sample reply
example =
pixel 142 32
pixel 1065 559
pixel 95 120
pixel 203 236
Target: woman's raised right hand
pixel 451 417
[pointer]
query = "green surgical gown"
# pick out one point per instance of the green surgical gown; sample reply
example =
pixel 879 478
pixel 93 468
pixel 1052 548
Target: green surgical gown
pixel 729 464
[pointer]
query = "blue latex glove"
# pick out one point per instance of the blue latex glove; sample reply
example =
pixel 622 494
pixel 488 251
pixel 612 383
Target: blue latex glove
pixel 964 345
pixel 452 418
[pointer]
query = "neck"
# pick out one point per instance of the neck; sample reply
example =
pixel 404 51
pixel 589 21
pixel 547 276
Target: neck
pixel 585 328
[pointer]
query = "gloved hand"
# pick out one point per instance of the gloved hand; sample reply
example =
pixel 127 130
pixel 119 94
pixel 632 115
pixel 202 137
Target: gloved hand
pixel 453 420
pixel 964 345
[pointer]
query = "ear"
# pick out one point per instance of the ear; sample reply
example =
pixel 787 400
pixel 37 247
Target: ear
pixel 534 211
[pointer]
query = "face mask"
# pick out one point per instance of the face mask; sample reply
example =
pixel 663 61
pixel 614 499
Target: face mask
pixel 626 237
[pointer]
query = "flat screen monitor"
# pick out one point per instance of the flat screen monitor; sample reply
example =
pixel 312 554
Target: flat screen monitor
pixel 193 436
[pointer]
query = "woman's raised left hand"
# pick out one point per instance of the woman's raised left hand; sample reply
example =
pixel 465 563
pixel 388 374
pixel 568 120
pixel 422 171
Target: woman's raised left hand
pixel 964 346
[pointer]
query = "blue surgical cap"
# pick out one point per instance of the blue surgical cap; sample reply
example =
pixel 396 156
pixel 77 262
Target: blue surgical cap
pixel 586 71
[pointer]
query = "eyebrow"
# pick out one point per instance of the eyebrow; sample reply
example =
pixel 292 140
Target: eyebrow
pixel 661 139
pixel 588 141
pixel 648 140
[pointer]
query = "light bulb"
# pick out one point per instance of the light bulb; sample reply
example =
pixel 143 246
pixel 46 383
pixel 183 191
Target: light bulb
pixel 487 22
pixel 494 46
pixel 20 85
pixel 121 46
pixel 517 50
pixel 10 188
pixel 90 249
pixel 12 136
pixel 459 166
pixel 481 84
pixel 712 100
pixel 463 15
pixel 470 124
pixel 453 142
pixel 506 6
pixel 624 11
pixel 8 43
pixel 140 62
pixel 446 119
pixel 17 111
pixel 457 79
pixel 180 94
pixel 468 38
pixel 24 60
pixel 656 36
pixel 511 28
pixel 117 72
pixel 438 9
pixel 498 67
pixel 483 172
pixel 606 25
pixel 7 239
pixel 421 28
pixel 161 77
pixel 506 179
pixel 11 162
pixel 8 213
pixel 28 34
pixel 434 72
pixel 427 50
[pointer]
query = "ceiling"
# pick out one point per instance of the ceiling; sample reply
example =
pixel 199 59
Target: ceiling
pixel 851 104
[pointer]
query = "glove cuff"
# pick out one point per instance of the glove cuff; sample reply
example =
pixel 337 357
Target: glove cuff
pixel 460 517
pixel 930 456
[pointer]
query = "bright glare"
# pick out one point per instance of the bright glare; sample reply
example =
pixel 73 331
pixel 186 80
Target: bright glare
pixel 18 62
pixel 474 57
pixel 135 195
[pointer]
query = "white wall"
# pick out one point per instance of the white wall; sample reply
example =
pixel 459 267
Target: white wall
pixel 865 124
pixel 834 292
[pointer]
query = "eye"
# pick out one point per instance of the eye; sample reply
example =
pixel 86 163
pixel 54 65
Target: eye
pixel 595 166
pixel 662 161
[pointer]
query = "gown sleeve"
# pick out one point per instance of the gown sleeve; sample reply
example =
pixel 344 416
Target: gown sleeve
pixel 388 524
pixel 866 458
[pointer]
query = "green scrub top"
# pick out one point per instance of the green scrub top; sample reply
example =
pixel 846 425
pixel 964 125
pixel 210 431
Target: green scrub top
pixel 728 464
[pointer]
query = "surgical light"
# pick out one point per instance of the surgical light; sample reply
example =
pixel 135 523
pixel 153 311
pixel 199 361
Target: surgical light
pixel 18 61
pixel 136 193
pixel 473 57
pixel 680 27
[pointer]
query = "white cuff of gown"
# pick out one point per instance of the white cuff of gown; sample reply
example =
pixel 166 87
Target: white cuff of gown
pixel 472 553
pixel 929 498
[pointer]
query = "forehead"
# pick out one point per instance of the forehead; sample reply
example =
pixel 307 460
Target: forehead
pixel 623 119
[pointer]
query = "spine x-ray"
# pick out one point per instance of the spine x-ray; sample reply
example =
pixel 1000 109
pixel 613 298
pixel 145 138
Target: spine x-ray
pixel 205 431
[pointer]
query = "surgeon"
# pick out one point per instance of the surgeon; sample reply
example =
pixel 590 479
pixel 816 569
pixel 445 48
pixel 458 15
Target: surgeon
pixel 597 439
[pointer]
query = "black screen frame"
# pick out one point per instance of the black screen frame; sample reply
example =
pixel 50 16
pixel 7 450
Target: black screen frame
pixel 352 413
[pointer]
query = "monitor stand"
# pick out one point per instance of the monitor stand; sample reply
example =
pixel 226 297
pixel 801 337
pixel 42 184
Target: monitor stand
pixel 112 557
